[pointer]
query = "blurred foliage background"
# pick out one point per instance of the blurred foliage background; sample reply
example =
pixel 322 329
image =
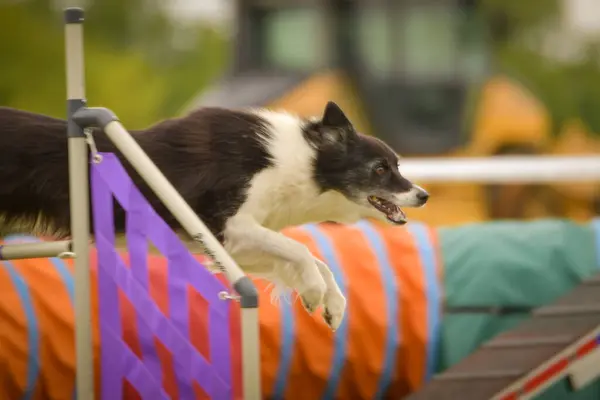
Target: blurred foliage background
pixel 139 62
pixel 145 65
pixel 563 75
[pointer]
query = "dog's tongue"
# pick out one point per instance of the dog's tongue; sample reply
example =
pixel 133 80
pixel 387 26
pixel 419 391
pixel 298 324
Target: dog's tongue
pixel 397 216
pixel 392 212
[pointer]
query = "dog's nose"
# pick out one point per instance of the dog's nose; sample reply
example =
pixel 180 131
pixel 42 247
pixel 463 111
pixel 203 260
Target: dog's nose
pixel 422 196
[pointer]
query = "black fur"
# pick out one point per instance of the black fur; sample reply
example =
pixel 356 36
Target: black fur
pixel 209 155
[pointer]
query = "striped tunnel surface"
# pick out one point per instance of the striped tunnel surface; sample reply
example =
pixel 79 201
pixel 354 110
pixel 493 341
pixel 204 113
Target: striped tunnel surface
pixel 19 282
pixel 384 350
pixel 196 374
pixel 391 279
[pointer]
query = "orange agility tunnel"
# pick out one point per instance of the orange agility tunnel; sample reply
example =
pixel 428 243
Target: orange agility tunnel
pixel 385 348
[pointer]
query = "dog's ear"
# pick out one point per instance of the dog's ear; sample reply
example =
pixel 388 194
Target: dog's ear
pixel 335 127
pixel 334 117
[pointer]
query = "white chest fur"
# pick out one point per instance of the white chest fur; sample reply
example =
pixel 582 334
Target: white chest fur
pixel 286 193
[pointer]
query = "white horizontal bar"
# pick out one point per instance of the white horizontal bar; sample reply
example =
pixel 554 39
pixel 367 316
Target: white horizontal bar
pixel 503 169
pixel 34 250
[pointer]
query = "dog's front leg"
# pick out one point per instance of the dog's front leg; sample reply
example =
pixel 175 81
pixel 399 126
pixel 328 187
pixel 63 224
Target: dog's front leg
pixel 334 301
pixel 251 243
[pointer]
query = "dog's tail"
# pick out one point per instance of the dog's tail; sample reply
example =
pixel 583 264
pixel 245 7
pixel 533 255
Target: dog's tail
pixel 38 134
pixel 34 172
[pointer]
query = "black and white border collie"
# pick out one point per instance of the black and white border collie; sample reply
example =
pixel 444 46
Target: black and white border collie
pixel 246 173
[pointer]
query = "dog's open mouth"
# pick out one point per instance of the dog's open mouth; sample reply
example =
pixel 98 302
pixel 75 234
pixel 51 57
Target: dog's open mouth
pixel 392 212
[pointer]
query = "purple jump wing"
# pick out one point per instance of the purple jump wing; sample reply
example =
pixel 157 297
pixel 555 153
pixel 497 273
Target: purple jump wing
pixel 109 181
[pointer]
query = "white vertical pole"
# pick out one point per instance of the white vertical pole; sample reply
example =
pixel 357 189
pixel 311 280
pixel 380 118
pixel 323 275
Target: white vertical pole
pixel 79 203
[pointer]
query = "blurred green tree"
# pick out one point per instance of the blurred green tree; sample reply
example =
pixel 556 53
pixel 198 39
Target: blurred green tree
pixel 570 89
pixel 131 66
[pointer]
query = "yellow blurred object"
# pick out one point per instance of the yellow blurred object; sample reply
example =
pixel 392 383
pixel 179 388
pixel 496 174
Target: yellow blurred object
pixel 308 98
pixel 507 114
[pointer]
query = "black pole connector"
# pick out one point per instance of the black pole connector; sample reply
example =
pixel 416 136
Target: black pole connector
pixel 247 291
pixel 74 15
pixel 73 105
pixel 94 117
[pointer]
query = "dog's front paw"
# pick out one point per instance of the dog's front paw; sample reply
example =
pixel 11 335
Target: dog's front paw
pixel 312 298
pixel 334 308
pixel 334 303
pixel 311 286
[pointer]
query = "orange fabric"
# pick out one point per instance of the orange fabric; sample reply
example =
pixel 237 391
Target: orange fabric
pixel 413 309
pixel 13 366
pixel 365 294
pixel 51 319
pixel 313 343
pixel 55 319
pixel 312 352
pixel 269 314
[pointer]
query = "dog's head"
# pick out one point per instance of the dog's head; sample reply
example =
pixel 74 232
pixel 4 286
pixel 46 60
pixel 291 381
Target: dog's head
pixel 363 168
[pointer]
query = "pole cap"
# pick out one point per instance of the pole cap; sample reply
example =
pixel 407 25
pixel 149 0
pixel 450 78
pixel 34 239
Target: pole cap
pixel 73 15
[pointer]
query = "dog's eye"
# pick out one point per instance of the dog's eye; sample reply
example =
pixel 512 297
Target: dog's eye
pixel 381 169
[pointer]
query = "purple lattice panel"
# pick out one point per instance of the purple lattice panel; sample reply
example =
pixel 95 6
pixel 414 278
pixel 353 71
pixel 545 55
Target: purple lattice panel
pixel 214 376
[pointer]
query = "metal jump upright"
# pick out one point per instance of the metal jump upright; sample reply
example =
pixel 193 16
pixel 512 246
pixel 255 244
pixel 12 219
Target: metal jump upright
pixel 81 117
